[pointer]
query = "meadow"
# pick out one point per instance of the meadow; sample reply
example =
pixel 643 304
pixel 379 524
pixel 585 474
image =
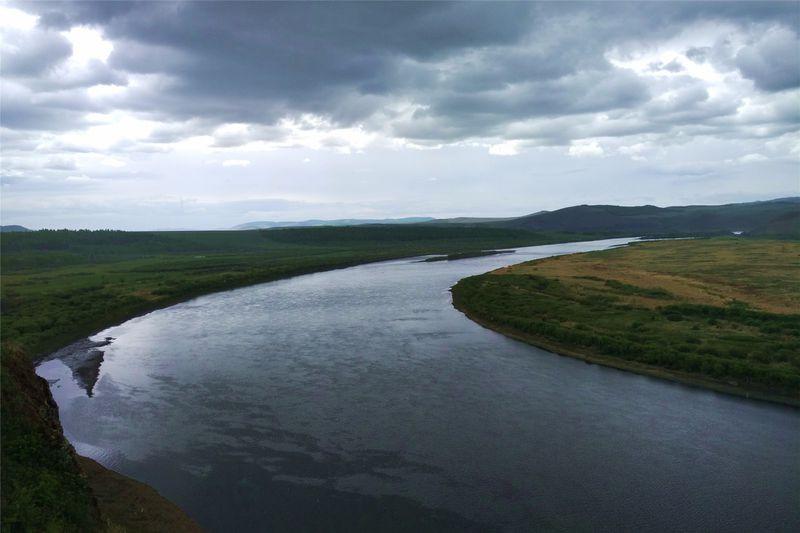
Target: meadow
pixel 720 313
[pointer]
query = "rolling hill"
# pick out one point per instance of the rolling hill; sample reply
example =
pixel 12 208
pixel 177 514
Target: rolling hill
pixel 772 217
pixel 12 228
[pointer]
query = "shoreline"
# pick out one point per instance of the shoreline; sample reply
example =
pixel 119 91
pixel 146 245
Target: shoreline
pixel 626 366
pixel 109 482
pixel 41 355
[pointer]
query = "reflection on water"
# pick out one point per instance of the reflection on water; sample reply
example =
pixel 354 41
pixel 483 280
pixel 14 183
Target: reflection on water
pixel 360 399
pixel 84 359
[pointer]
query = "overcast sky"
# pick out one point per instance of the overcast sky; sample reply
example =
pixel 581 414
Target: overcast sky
pixel 207 115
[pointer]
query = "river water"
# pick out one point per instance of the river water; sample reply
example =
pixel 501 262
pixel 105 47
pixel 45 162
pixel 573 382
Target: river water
pixel 359 399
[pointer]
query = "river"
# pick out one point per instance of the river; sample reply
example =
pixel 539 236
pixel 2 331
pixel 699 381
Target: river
pixel 360 399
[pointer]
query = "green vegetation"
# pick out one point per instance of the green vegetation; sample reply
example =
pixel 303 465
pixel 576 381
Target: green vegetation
pixel 721 313
pixel 59 286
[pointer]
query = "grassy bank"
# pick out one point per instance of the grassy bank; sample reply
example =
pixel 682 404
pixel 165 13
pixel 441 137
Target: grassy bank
pixel 60 286
pixel 719 313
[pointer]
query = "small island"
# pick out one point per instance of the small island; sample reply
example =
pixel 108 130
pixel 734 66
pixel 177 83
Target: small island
pixel 718 313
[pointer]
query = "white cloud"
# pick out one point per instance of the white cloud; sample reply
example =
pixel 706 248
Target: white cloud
pixel 635 151
pixel 113 162
pixel 505 148
pixel 585 149
pixel 236 163
pixel 16 19
pixel 752 158
pixel 87 44
pixel 83 178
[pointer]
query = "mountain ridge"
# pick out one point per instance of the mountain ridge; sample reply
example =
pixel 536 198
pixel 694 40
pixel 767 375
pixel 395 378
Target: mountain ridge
pixel 266 224
pixel 770 217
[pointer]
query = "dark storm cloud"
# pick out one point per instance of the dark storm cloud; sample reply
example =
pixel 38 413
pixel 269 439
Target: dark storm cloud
pixel 428 28
pixel 292 56
pixel 472 68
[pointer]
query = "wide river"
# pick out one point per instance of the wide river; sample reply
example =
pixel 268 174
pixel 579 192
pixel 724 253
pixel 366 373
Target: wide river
pixel 360 399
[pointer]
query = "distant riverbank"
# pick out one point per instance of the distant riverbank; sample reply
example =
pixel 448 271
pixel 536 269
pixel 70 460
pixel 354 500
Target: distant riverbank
pixel 466 255
pixel 712 313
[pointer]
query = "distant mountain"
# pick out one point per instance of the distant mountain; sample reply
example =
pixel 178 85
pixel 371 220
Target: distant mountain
pixel 772 217
pixel 264 224
pixel 769 217
pixel 8 229
pixel 468 220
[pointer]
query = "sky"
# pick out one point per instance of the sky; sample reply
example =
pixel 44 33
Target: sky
pixel 206 115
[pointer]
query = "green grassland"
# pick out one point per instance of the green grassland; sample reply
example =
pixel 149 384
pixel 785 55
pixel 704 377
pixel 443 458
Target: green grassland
pixel 60 286
pixel 721 313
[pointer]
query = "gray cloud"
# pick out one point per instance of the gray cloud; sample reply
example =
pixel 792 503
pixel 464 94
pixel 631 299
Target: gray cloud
pixel 94 72
pixel 33 53
pixel 472 66
pixel 773 62
pixel 456 115
pixel 60 163
pixel 21 109
pixel 674 65
pixel 698 54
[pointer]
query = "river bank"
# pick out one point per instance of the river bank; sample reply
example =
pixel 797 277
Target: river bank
pixel 715 314
pixel 627 366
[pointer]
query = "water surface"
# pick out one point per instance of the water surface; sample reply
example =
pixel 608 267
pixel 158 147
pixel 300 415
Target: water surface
pixel 360 399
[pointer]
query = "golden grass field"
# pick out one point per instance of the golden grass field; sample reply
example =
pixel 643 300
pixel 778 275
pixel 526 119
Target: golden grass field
pixel 765 275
